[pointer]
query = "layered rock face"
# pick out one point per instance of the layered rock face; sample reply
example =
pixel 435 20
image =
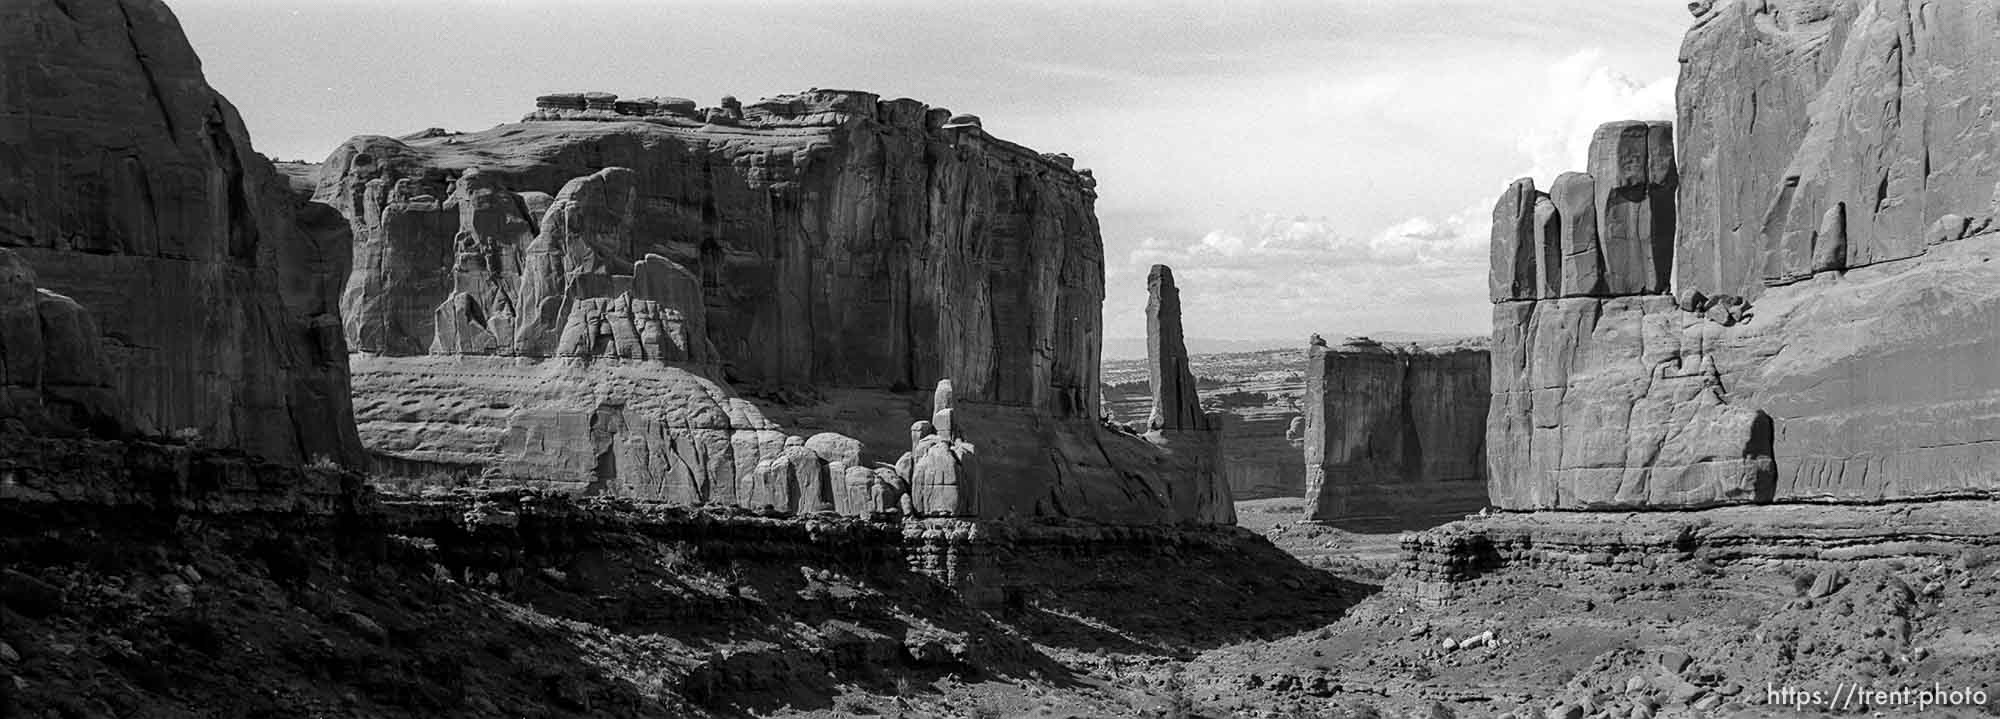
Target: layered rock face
pixel 1830 134
pixel 1831 331
pixel 134 197
pixel 1604 391
pixel 1394 434
pixel 574 300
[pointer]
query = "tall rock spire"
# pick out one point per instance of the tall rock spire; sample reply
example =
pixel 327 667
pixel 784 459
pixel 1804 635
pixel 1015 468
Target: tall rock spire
pixel 1175 404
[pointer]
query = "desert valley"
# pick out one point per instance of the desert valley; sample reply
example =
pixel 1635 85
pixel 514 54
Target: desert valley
pixel 800 407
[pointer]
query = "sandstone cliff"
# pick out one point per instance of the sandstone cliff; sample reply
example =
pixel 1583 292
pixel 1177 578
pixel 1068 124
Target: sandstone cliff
pixel 1394 434
pixel 131 191
pixel 1830 334
pixel 577 299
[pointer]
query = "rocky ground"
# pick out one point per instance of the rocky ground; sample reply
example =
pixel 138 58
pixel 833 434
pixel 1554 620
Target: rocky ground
pixel 156 617
pixel 159 617
pixel 1685 636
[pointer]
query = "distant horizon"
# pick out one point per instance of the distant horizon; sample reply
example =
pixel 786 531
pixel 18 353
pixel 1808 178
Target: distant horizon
pixel 1119 349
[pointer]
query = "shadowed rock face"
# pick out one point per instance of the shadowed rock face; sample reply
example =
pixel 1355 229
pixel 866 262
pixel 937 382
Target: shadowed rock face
pixel 1834 334
pixel 575 300
pixel 1175 404
pixel 1394 433
pixel 1197 486
pixel 132 190
pixel 53 378
pixel 839 240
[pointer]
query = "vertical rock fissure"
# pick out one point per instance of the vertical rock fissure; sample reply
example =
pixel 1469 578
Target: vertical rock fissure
pixel 145 66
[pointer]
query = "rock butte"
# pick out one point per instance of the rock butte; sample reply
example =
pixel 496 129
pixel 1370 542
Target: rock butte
pixel 1830 334
pixel 571 301
pixel 1394 434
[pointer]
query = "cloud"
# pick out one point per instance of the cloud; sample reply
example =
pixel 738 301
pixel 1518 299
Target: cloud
pixel 1585 92
pixel 1289 244
pixel 1274 275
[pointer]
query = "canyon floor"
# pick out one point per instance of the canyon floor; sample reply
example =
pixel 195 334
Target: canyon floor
pixel 138 616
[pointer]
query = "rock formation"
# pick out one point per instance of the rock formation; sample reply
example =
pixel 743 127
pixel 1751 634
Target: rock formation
pixel 1830 134
pixel 1604 394
pixel 132 192
pixel 1177 422
pixel 1394 434
pixel 575 300
pixel 1833 336
pixel 1257 398
pixel 53 377
pixel 1175 403
pixel 942 479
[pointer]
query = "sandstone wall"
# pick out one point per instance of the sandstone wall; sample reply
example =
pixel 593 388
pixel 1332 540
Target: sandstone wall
pixel 1394 434
pixel 623 295
pixel 132 191
pixel 1822 134
pixel 1605 391
pixel 1831 334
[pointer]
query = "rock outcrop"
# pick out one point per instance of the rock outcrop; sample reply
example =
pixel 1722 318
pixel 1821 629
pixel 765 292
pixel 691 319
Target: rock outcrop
pixel 1175 403
pixel 1830 333
pixel 53 378
pixel 1394 434
pixel 1604 391
pixel 1830 134
pixel 1177 422
pixel 132 192
pixel 626 297
pixel 1256 395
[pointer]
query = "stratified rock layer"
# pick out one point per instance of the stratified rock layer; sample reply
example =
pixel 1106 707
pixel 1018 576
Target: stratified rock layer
pixel 1834 336
pixel 1605 393
pixel 579 297
pixel 130 187
pixel 1394 433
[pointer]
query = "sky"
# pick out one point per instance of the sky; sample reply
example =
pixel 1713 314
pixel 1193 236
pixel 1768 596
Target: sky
pixel 1321 166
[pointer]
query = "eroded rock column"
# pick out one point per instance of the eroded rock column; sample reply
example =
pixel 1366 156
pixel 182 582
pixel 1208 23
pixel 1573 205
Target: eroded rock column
pixel 1176 405
pixel 1605 394
pixel 1178 423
